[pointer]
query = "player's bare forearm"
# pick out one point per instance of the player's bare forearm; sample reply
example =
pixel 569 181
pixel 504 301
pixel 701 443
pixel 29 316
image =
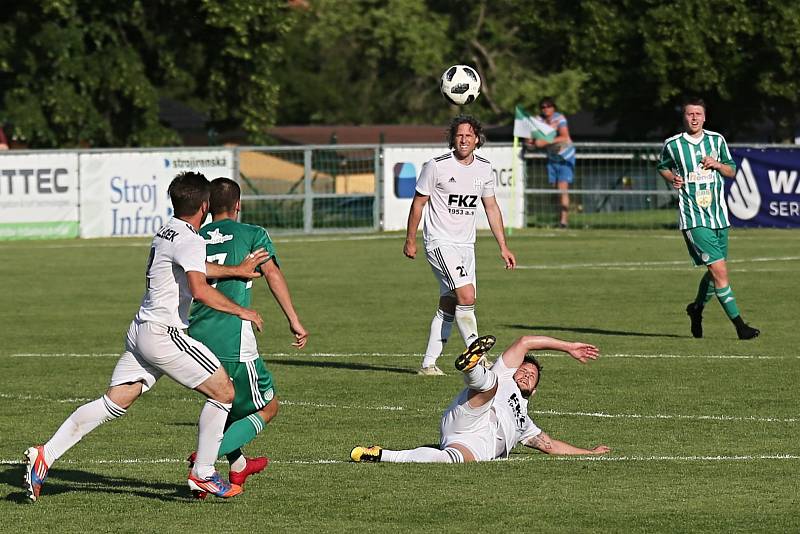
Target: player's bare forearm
pixel 515 354
pixel 212 298
pixel 414 217
pixel 495 218
pixel 280 289
pixel 246 269
pixel 548 445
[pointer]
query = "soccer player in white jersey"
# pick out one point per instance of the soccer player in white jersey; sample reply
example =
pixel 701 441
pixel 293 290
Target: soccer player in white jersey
pixel 695 163
pixel 490 416
pixel 447 192
pixel 156 344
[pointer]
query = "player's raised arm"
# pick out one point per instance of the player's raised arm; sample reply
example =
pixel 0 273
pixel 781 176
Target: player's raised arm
pixel 515 354
pixel 414 217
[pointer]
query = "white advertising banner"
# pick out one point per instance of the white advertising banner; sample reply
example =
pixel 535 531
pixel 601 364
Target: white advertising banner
pixel 125 193
pixel 38 195
pixel 402 166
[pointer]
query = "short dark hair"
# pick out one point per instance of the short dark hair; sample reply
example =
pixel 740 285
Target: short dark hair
pixel 224 195
pixel 548 100
pixel 531 359
pixel 693 101
pixel 477 127
pixel 187 192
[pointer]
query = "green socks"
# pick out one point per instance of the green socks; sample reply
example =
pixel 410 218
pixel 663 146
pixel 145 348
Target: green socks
pixel 240 433
pixel 728 301
pixel 705 291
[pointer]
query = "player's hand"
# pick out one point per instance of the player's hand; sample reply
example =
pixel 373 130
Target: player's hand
pixel 253 316
pixel 247 269
pixel 601 449
pixel 300 334
pixel 508 258
pixel 583 352
pixel 677 181
pixel 410 249
pixel 540 143
pixel 710 163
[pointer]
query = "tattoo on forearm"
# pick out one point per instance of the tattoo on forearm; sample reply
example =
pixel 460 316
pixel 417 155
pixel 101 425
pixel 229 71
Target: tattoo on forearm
pixel 541 442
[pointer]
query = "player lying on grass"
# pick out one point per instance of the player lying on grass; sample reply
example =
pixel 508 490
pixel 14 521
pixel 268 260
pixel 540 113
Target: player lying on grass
pixel 490 416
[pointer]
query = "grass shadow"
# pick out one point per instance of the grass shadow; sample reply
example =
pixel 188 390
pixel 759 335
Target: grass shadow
pixel 583 330
pixel 343 365
pixel 60 481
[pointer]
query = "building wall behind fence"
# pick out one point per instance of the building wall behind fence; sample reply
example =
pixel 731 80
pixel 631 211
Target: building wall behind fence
pixel 106 193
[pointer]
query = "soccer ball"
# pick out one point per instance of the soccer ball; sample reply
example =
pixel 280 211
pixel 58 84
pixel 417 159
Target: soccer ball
pixel 460 85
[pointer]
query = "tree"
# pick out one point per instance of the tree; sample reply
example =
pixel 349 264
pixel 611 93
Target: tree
pixel 80 72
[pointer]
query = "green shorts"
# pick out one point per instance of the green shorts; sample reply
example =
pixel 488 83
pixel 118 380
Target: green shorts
pixel 706 245
pixel 253 384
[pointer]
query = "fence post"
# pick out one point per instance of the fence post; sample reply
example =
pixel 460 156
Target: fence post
pixel 308 193
pixel 377 202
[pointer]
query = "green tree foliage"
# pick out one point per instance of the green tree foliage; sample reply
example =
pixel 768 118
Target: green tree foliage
pixel 81 72
pixel 76 72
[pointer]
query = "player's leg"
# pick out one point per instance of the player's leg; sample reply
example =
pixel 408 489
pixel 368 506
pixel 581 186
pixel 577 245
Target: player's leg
pixel 454 454
pixel 463 260
pixel 254 406
pixel 131 377
pixel 441 327
pixel 727 299
pixel 193 365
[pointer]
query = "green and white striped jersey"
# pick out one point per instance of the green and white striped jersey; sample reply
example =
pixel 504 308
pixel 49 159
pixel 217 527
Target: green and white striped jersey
pixel 701 200
pixel 228 242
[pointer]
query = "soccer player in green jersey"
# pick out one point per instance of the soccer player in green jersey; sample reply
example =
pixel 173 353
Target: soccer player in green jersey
pixel 695 163
pixel 228 242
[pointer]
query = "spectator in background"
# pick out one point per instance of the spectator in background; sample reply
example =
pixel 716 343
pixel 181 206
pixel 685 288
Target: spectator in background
pixel 3 140
pixel 560 155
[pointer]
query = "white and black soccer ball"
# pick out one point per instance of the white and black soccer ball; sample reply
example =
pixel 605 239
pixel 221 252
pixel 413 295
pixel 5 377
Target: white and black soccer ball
pixel 460 85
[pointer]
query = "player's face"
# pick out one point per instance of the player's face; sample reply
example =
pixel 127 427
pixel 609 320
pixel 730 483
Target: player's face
pixel 466 141
pixel 547 110
pixel 693 119
pixel 526 376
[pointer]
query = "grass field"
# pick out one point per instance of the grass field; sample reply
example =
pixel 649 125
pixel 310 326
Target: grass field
pixel 704 432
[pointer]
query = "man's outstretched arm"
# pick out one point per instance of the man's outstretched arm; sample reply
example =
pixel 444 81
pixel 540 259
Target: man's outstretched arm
pixel 548 445
pixel 515 354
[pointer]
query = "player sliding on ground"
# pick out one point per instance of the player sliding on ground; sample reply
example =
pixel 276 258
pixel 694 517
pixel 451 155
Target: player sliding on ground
pixel 490 416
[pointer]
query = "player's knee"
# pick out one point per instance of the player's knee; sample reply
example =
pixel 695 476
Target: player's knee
pixel 269 411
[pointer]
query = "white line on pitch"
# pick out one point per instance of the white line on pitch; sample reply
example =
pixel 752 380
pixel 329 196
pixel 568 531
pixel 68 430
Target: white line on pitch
pixel 637 264
pixel 417 355
pixel 522 458
pixel 439 409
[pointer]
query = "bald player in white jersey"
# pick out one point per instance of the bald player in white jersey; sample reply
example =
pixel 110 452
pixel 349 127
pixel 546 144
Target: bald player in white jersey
pixel 156 344
pixel 490 416
pixel 447 191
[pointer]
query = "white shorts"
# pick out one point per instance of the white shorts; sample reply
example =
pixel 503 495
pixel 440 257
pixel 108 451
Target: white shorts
pixel 453 266
pixel 474 428
pixel 153 350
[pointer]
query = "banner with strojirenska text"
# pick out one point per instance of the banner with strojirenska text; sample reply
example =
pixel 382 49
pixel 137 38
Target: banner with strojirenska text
pixel 766 189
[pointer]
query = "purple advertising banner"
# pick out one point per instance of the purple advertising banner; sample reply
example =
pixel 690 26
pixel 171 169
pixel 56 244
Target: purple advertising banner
pixel 766 190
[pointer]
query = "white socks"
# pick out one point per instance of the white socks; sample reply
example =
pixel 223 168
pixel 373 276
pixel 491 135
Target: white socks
pixel 441 326
pixel 211 426
pixel 479 378
pixel 467 323
pixel 423 455
pixel 82 421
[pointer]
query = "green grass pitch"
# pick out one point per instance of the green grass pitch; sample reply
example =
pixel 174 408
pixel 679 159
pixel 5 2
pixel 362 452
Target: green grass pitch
pixel 704 432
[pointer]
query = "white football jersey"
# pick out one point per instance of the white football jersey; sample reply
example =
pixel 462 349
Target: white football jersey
pixel 176 249
pixel 511 409
pixel 455 190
